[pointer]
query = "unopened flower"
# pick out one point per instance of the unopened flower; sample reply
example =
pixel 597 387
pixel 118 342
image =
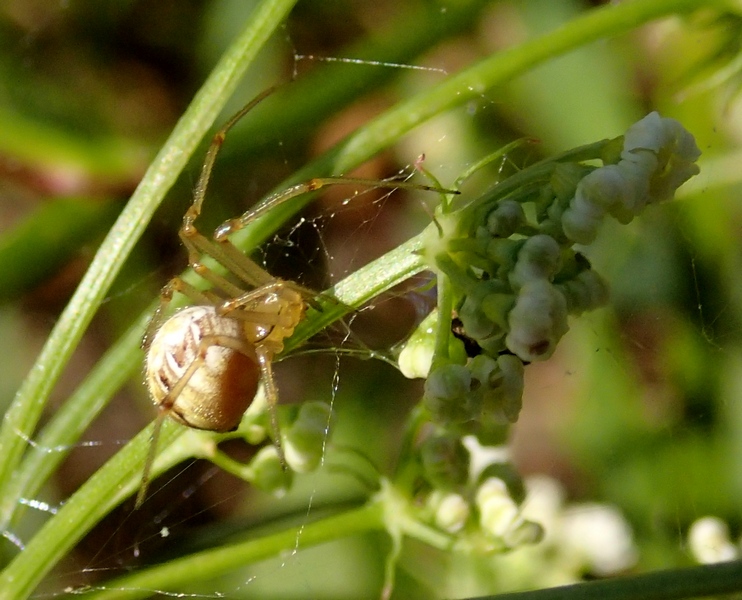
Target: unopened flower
pixel 537 322
pixel 658 156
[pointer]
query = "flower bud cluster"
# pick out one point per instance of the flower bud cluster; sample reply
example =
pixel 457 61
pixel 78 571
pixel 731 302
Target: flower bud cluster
pixel 516 277
pixel 485 390
pixel 509 278
pixel 484 506
pixel 658 156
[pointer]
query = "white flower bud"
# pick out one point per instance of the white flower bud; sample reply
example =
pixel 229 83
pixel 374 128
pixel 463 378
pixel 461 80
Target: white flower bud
pixel 505 219
pixel 498 513
pixel 673 147
pixel 451 511
pixel 581 220
pixel 539 258
pixel 708 539
pixel 537 322
pixel 600 537
pixel 658 156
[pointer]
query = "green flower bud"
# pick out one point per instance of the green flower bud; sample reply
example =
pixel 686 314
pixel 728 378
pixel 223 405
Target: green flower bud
pixel 505 219
pixel 564 180
pixel 476 323
pixel 504 253
pixel 491 431
pixel 500 389
pixel 525 533
pixel 254 434
pixel 448 395
pixel 496 307
pixel 305 440
pixel 505 472
pixel 539 258
pixel 586 291
pixel 417 355
pixel 537 322
pixel 511 387
pixel 484 369
pixel 448 381
pixel 445 461
pixel 484 313
pixel 269 474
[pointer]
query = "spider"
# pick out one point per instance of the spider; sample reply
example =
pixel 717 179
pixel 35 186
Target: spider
pixel 205 362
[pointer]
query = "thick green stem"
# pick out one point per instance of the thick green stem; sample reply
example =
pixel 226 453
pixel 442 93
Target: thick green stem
pixel 676 584
pixel 210 564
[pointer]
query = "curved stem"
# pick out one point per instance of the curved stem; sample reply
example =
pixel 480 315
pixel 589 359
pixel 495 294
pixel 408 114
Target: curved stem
pixel 215 562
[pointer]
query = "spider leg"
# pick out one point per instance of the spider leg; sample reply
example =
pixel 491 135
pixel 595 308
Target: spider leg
pixel 164 409
pixel 216 143
pixel 265 358
pixel 176 284
pixel 230 226
pixel 225 253
pixel 217 281
pixel 151 453
pixel 195 242
pixel 240 297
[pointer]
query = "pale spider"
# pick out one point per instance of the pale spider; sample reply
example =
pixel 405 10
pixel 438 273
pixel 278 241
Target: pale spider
pixel 205 362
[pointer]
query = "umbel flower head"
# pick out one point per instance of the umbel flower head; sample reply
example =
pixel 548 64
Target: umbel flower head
pixel 509 276
pixel 658 156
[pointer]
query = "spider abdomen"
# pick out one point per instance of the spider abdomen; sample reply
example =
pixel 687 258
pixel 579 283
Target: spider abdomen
pixel 202 370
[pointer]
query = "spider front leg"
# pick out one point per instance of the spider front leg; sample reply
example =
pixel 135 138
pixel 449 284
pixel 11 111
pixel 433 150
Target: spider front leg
pixel 312 185
pixel 225 253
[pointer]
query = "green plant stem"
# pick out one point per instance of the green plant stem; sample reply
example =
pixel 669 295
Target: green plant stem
pixel 215 562
pixel 674 584
pixel 362 286
pixel 443 327
pixel 385 511
pixel 23 415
